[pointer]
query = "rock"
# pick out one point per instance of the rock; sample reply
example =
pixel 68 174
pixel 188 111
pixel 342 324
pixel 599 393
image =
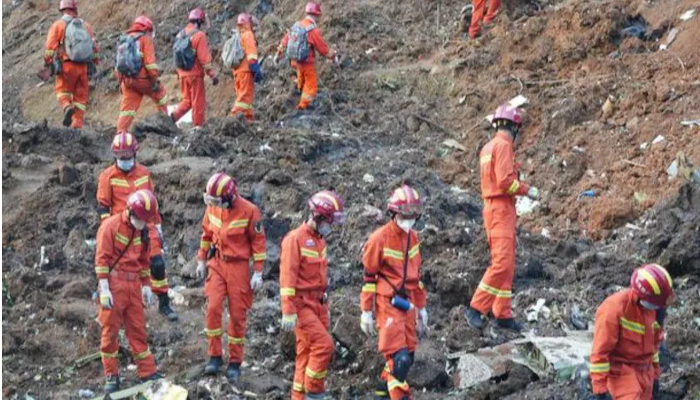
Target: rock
pixel 78 289
pixel 346 330
pixel 413 123
pixel 632 123
pixel 278 177
pixel 75 244
pixel 67 175
pixel 262 384
pixel 77 312
pixel 158 123
pixel 428 370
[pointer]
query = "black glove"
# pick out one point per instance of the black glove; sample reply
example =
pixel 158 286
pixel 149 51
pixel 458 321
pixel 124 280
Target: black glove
pixel 656 391
pixel 92 69
pixel 604 396
pixel 155 87
pixel 215 80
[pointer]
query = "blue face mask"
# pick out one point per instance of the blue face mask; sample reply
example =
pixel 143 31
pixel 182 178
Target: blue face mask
pixel 648 305
pixel 125 165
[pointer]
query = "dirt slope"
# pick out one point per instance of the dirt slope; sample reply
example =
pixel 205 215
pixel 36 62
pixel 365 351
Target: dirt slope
pixel 406 86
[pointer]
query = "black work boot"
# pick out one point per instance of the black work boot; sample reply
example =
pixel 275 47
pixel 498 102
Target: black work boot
pixel 474 318
pixel 509 323
pixel 233 373
pixel 68 115
pixel 164 307
pixel 213 366
pixel 112 384
pixel 153 377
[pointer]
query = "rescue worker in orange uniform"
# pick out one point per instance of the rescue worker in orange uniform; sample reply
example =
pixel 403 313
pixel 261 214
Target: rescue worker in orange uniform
pixel 192 81
pixel 307 80
pixel 303 282
pixel 114 187
pixel 147 82
pixel 232 235
pixel 479 9
pixel 394 292
pixel 625 355
pixel 122 268
pixel 71 77
pixel 248 73
pixel 499 186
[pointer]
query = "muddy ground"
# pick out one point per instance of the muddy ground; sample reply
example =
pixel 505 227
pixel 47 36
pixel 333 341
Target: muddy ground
pixel 408 82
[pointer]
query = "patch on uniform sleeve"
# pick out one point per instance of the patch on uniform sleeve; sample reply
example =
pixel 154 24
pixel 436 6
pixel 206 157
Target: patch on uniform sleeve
pixel 259 227
pixel 310 243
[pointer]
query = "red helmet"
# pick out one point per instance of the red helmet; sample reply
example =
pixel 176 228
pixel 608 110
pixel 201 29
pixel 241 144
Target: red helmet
pixel 405 201
pixel 329 205
pixel 65 4
pixel 313 8
pixel 507 114
pixel 244 18
pixel 196 15
pixel 652 283
pixel 124 145
pixel 221 188
pixel 145 22
pixel 143 205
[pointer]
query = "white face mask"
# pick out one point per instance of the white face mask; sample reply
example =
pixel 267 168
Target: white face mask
pixel 323 229
pixel 137 223
pixel 648 305
pixel 125 165
pixel 406 224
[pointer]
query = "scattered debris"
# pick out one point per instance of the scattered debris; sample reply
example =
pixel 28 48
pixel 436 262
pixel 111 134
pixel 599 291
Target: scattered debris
pixel 368 178
pixel 578 320
pixel 640 197
pixel 691 122
pixel 86 393
pixel 608 108
pixel 525 205
pixel 578 149
pixel 687 15
pixel 518 101
pixel 559 356
pixel 644 146
pixel 586 193
pixel 83 361
pixel 672 169
pixel 669 39
pixel 545 233
pixel 454 144
pixel 186 119
pixel 658 139
pixel 533 312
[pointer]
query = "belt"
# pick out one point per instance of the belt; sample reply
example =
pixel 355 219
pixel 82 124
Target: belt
pixel 229 258
pixel 127 276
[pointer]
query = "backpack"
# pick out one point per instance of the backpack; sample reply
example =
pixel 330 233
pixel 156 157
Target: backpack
pixel 233 52
pixel 77 41
pixel 129 56
pixel 183 52
pixel 298 45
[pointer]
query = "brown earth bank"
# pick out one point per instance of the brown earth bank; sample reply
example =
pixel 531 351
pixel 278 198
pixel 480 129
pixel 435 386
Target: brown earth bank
pixel 408 82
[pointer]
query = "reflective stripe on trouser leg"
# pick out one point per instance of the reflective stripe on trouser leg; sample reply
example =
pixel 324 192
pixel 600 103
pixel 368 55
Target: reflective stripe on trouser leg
pixel 135 329
pixel 159 286
pixel 245 94
pixel 302 360
pixel 314 320
pixel 215 291
pixel 80 98
pixel 397 389
pixel 310 87
pixel 236 330
pixel 129 104
pixel 110 322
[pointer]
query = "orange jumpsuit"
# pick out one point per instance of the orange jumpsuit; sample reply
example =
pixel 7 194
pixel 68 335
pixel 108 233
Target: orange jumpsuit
pixel 478 15
pixel 192 81
pixel 499 186
pixel 303 281
pixel 118 241
pixel 625 354
pixel 114 187
pixel 243 76
pixel 238 235
pixel 307 80
pixel 133 89
pixel 72 83
pixel 384 257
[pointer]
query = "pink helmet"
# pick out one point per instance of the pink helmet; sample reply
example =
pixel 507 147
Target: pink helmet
pixel 244 18
pixel 221 189
pixel 65 4
pixel 313 8
pixel 143 205
pixel 652 283
pixel 329 205
pixel 145 22
pixel 124 145
pixel 405 201
pixel 507 114
pixel 196 15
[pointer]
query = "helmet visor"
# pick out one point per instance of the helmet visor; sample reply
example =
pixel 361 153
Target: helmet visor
pixel 410 210
pixel 212 200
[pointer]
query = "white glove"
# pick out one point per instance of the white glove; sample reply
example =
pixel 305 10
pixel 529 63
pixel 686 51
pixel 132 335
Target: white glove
pixel 256 281
pixel 201 271
pixel 336 59
pixel 146 296
pixel 533 193
pixel 422 321
pixel 289 321
pixel 276 59
pixel 367 323
pixel 106 299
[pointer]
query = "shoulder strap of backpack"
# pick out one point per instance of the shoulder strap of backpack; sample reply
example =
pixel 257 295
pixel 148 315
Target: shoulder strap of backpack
pixel 310 28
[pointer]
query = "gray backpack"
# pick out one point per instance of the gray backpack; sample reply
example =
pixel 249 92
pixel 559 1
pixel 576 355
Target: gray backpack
pixel 233 53
pixel 298 45
pixel 183 52
pixel 77 40
pixel 129 57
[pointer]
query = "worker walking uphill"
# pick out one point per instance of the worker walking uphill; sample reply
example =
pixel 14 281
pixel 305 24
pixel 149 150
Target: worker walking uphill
pixel 193 60
pixel 246 70
pixel 479 15
pixel 137 71
pixel 625 354
pixel 303 281
pixel 499 186
pixel 122 268
pixel 394 292
pixel 300 45
pixel 70 47
pixel 232 235
pixel 114 187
